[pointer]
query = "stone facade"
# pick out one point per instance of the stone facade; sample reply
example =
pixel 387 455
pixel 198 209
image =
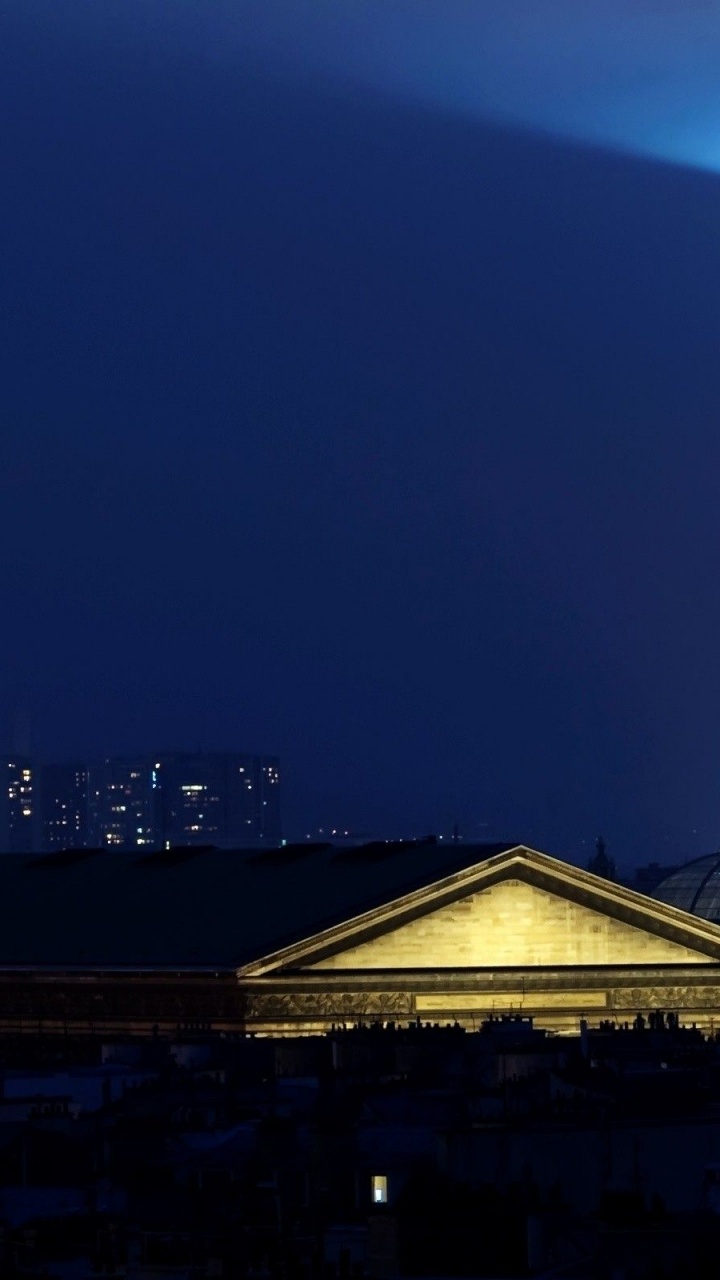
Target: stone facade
pixel 519 934
pixel 512 923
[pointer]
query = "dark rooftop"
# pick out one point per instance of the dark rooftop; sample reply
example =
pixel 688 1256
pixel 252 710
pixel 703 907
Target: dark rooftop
pixel 196 908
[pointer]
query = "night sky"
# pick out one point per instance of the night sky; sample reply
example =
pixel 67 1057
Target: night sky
pixel 360 404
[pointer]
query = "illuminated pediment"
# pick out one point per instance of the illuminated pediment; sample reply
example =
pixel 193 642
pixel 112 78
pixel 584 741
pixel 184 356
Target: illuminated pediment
pixel 519 908
pixel 512 923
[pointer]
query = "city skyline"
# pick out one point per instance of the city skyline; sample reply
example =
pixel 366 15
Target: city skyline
pixel 140 802
pixel 445 822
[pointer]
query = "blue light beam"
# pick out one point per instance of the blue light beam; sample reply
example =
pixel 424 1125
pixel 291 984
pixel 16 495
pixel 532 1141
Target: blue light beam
pixel 640 76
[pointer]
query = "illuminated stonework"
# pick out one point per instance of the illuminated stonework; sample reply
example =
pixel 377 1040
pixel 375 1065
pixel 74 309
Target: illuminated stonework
pixel 512 924
pixel 520 932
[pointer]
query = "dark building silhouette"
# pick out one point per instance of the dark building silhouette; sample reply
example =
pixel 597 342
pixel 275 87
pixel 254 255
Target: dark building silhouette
pixel 18 805
pixel 64 806
pixel 162 800
pixel 219 798
pixel 124 808
pixel 646 879
pixel 601 864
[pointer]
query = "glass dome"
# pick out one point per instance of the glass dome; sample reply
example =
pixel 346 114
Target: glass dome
pixel 694 887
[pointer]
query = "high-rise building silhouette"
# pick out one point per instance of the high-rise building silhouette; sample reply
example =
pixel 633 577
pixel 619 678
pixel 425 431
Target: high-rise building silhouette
pixel 124 804
pixel 219 798
pixel 64 805
pixel 18 805
pixel 138 802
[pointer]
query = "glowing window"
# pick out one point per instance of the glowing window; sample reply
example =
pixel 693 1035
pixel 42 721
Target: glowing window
pixel 379 1188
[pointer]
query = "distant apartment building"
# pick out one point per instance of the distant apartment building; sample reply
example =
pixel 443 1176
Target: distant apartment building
pixel 18 805
pixel 124 810
pixel 163 800
pixel 64 806
pixel 220 799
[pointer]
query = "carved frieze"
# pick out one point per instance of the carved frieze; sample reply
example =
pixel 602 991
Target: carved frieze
pixel 329 1004
pixel 639 998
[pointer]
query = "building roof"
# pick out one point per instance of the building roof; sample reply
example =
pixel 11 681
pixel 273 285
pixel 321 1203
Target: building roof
pixel 694 888
pixel 201 908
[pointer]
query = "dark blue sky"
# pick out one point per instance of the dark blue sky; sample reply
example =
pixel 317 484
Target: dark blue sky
pixel 344 422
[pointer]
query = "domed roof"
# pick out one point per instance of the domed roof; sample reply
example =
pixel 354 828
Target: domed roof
pixel 694 887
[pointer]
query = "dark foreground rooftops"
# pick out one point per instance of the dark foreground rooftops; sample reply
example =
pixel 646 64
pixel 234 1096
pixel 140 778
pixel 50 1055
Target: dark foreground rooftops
pixel 201 908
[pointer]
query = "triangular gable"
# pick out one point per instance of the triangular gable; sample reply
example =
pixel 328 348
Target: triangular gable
pixel 511 924
pixel 518 908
